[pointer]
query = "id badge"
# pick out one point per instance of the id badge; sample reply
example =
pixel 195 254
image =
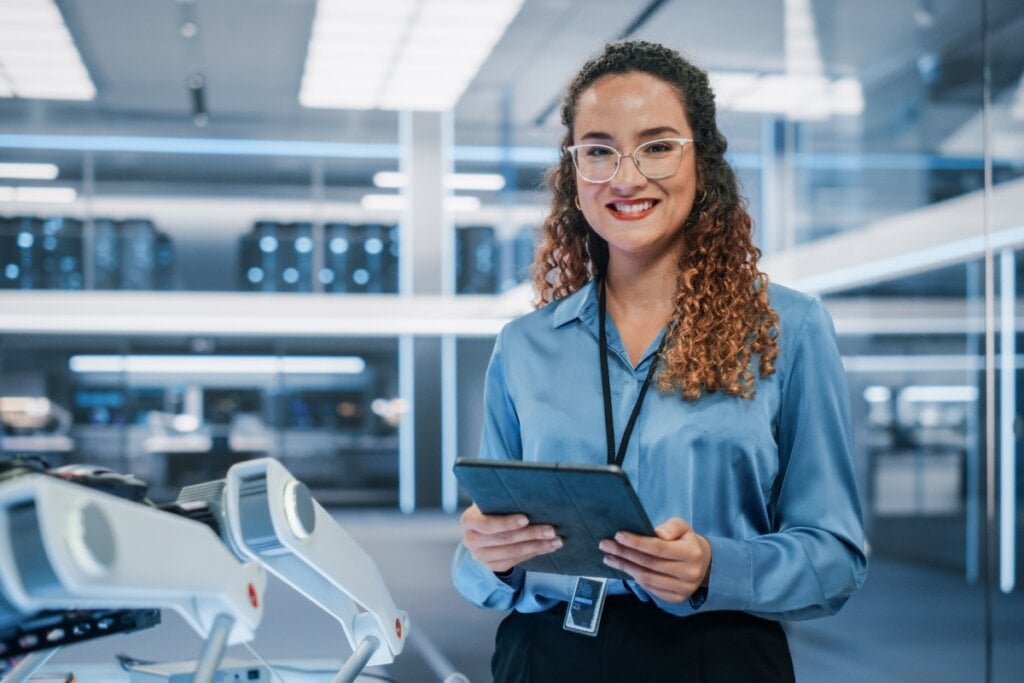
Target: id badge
pixel 584 612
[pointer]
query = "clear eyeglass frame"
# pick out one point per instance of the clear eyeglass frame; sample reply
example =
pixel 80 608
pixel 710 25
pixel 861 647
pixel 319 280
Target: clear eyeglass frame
pixel 573 152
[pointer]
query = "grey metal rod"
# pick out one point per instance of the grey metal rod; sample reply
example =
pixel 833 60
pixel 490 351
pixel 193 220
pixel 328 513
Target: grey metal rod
pixel 213 649
pixel 357 662
pixel 31 663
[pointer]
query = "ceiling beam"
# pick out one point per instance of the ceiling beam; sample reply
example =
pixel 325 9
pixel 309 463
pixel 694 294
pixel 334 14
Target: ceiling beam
pixel 941 234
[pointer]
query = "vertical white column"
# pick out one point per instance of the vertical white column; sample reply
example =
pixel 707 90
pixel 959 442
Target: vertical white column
pixel 406 428
pixel 1007 419
pixel 426 268
pixel 449 424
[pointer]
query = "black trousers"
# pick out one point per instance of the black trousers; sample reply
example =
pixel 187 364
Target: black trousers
pixel 639 642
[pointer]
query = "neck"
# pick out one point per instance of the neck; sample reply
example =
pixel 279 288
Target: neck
pixel 646 289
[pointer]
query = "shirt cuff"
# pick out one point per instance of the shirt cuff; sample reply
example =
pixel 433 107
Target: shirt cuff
pixel 730 584
pixel 514 578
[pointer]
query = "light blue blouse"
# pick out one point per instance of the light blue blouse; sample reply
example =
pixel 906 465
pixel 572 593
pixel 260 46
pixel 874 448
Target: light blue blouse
pixel 768 481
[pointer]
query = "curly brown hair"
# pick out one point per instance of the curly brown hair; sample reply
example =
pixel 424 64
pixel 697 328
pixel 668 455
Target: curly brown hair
pixel 722 316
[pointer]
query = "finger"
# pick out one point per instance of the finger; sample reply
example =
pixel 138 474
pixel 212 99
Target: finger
pixel 651 550
pixel 673 529
pixel 688 567
pixel 654 581
pixel 669 596
pixel 476 539
pixel 517 553
pixel 658 574
pixel 474 519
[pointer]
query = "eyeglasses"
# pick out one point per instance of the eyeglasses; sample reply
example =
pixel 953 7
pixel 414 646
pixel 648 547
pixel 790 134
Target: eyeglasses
pixel 655 159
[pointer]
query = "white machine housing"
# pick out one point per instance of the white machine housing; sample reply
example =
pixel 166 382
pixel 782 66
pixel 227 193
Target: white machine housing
pixel 272 518
pixel 64 546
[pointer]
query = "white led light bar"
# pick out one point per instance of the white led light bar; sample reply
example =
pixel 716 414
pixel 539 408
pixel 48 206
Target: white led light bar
pixel 799 97
pixel 38 59
pixel 452 181
pixel 29 171
pixel 218 365
pixel 38 195
pixel 803 91
pixel 399 54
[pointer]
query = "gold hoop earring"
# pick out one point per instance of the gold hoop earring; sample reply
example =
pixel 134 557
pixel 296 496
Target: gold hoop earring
pixel 578 207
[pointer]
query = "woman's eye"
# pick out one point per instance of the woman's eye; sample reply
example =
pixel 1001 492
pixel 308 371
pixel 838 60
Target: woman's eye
pixel 599 152
pixel 658 148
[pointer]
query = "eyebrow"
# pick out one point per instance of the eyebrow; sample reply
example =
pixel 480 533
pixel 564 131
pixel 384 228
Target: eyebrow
pixel 645 133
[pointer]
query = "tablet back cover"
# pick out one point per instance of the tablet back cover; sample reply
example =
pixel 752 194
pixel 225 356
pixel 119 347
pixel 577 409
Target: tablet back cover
pixel 584 503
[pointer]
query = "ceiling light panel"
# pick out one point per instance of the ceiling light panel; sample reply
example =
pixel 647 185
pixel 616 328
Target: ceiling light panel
pixel 28 171
pixel 452 181
pixel 38 59
pixel 399 54
pixel 38 195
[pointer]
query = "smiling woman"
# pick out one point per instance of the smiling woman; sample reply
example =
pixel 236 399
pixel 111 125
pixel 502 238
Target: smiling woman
pixel 742 454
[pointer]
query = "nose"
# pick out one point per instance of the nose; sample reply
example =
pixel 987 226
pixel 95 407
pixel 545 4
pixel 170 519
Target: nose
pixel 628 175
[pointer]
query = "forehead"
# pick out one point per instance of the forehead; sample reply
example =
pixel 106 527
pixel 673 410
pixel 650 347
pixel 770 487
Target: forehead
pixel 634 101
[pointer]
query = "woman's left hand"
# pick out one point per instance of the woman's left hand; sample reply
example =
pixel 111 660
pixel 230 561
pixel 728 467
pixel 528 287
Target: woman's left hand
pixel 672 564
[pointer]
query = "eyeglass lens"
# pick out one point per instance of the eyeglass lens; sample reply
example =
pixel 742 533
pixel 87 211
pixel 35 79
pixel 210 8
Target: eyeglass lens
pixel 654 159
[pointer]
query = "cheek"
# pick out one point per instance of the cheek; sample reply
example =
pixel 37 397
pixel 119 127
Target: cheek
pixel 589 200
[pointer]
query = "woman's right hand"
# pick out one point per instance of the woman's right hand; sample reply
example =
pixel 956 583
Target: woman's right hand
pixel 500 542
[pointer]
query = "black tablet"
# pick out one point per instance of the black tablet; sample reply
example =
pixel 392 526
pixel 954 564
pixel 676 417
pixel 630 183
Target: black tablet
pixel 585 503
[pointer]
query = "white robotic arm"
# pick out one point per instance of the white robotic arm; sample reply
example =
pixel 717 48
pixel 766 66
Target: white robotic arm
pixel 272 518
pixel 64 546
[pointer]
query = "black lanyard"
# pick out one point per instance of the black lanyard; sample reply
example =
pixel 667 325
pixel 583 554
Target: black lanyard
pixel 609 428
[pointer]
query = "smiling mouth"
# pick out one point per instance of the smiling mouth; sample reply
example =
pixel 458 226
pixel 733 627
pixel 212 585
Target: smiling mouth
pixel 631 210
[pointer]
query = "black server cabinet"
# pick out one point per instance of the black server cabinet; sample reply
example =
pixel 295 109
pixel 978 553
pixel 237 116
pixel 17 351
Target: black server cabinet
pixel 21 250
pixel 106 254
pixel 476 260
pixel 61 253
pixel 517 259
pixel 295 257
pixel 277 257
pixel 10 270
pixel 361 258
pixel 138 254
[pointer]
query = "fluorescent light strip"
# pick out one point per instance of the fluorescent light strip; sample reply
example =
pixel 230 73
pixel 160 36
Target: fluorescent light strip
pixel 877 393
pixel 543 156
pixel 38 195
pixel 803 56
pixel 452 181
pixel 939 394
pixel 218 365
pixel 356 326
pixel 798 96
pixel 29 171
pixel 38 59
pixel 399 54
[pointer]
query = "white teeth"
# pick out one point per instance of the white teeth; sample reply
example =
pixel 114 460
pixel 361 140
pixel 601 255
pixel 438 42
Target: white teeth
pixel 633 208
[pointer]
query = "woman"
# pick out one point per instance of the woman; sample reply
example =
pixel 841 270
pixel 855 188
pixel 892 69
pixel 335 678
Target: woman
pixel 740 453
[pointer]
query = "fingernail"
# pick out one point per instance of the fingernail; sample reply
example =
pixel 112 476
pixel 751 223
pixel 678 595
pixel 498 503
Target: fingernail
pixel 522 521
pixel 549 533
pixel 608 561
pixel 620 537
pixel 604 545
pixel 557 543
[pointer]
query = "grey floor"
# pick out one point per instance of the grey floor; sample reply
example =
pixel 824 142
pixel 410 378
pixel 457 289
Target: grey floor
pixel 908 624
